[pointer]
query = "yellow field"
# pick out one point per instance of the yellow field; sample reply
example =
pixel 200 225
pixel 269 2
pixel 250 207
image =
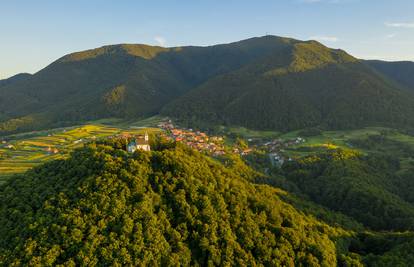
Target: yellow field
pixel 33 149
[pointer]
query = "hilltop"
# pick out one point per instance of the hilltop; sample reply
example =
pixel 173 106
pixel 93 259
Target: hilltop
pixel 266 82
pixel 173 205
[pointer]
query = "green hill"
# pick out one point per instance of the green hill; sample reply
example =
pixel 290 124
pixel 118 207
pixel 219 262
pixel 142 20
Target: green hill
pixel 305 85
pixel 120 80
pixel 267 83
pixel 365 188
pixel 174 206
pixel 171 206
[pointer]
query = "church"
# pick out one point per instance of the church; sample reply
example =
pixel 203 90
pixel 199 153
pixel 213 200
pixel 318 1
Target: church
pixel 139 144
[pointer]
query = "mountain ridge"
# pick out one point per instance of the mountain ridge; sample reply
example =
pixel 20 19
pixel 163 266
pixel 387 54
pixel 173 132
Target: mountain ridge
pixel 146 80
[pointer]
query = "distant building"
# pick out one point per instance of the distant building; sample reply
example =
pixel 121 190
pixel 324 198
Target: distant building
pixel 276 159
pixel 139 144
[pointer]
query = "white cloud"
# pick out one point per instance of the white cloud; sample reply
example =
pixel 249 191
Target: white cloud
pixel 390 36
pixel 325 38
pixel 160 40
pixel 399 24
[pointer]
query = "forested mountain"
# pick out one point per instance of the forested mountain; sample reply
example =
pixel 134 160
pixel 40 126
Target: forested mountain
pixel 400 71
pixel 304 85
pixel 268 82
pixel 120 80
pixel 103 206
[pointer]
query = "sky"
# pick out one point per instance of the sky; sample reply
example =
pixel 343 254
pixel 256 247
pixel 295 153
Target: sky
pixel 36 33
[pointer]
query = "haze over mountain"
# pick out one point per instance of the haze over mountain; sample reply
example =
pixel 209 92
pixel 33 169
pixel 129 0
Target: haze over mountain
pixel 268 83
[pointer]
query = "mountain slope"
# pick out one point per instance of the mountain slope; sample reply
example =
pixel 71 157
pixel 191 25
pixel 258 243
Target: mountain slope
pixel 121 80
pixel 400 71
pixel 10 81
pixel 14 79
pixel 268 82
pixel 305 85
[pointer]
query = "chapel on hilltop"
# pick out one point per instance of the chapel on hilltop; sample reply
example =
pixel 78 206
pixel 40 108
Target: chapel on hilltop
pixel 139 144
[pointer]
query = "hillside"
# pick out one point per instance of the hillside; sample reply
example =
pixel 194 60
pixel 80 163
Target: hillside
pixel 400 71
pixel 305 85
pixel 267 83
pixel 102 206
pixel 126 81
pixel 12 81
pixel 365 188
pixel 15 78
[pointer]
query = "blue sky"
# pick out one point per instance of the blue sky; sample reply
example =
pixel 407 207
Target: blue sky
pixel 35 33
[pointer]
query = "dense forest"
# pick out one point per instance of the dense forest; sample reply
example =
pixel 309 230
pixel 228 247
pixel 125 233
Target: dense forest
pixel 399 71
pixel 362 187
pixel 174 206
pixel 304 85
pixel 267 82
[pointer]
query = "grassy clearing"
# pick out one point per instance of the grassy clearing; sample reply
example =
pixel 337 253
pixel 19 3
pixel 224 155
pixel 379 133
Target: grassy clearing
pixel 248 133
pixel 148 122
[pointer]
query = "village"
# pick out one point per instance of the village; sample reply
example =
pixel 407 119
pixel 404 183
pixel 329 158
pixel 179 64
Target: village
pixel 197 140
pixel 57 144
pixel 275 148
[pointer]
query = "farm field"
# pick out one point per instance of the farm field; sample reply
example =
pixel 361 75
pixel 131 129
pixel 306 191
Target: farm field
pixel 327 139
pixel 344 139
pixel 21 152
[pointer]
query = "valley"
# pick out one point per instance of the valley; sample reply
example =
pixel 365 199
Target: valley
pixel 269 151
pixel 23 151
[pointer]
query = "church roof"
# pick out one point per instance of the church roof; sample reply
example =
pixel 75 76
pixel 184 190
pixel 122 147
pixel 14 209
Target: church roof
pixel 141 141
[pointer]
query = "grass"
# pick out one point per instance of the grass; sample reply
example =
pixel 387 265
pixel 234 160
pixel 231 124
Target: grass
pixel 148 122
pixel 248 133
